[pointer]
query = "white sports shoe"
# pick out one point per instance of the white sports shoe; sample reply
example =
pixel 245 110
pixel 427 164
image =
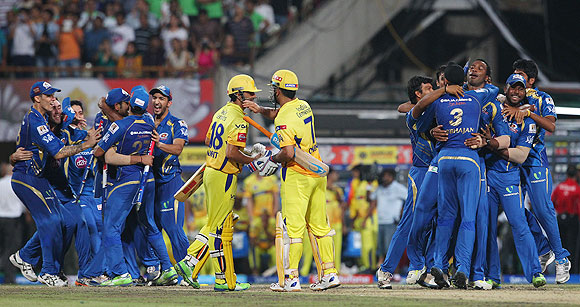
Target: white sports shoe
pixel 481 285
pixel 328 281
pixel 546 259
pixel 563 270
pixel 384 279
pixel 25 268
pixel 52 280
pixel 290 285
pixel 413 276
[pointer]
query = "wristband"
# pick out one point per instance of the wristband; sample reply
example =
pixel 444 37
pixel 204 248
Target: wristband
pixel 487 141
pixel 529 113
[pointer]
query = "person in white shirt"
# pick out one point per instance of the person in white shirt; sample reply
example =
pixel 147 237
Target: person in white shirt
pixel 121 35
pixel 11 209
pixel 389 197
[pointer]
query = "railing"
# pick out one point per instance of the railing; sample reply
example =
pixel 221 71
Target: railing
pixel 89 71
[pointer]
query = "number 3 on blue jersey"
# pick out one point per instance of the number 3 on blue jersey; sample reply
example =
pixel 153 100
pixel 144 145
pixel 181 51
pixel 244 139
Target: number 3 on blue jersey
pixel 216 142
pixel 457 114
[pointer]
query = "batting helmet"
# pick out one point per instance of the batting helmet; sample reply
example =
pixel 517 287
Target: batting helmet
pixel 242 83
pixel 285 79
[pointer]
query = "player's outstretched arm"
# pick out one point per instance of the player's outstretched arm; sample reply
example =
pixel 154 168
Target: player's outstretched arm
pixel 92 139
pixel 405 107
pixel 114 158
pixel 517 155
pixel 108 111
pixel 269 113
pixel 426 101
pixel 20 155
pixel 235 154
pixel 285 154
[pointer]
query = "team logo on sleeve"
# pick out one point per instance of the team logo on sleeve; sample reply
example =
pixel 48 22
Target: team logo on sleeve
pixel 532 128
pixel 114 127
pixel 241 137
pixel 183 123
pixel 550 101
pixel 42 129
pixel 281 127
pixel 163 136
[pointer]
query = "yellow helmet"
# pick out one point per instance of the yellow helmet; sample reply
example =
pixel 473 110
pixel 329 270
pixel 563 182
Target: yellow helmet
pixel 285 79
pixel 242 83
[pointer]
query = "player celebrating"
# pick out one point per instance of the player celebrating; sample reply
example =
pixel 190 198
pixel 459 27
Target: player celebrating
pixel 225 140
pixel 303 193
pixel 170 135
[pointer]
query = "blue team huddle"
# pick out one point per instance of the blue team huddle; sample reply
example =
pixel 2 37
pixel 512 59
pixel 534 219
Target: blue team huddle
pixel 95 186
pixel 482 152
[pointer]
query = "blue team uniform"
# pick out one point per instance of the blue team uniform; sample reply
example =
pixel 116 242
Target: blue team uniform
pixel 132 136
pixel 170 213
pixel 536 175
pixel 34 190
pixel 459 175
pixel 423 151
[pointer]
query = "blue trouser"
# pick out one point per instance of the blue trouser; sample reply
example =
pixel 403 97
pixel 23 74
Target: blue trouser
pixel 538 184
pixel 419 251
pixel 119 205
pixel 39 198
pixel 459 174
pixel 170 215
pixel 97 266
pixel 135 244
pixel 92 214
pixel 481 226
pixel 542 244
pixel 505 190
pixel 401 235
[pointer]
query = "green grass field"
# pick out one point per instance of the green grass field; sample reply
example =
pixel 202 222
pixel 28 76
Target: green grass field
pixel 260 295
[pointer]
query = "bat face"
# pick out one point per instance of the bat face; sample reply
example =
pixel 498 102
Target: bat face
pixel 310 163
pixel 191 185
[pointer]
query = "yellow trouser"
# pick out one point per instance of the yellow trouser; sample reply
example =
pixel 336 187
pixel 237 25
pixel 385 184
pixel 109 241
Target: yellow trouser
pixel 368 235
pixel 304 203
pixel 220 190
pixel 307 252
pixel 256 259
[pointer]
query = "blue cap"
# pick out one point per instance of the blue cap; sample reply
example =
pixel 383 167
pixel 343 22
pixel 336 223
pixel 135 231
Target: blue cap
pixel 138 87
pixel 68 112
pixel 140 99
pixel 42 87
pixel 164 90
pixel 116 95
pixel 515 78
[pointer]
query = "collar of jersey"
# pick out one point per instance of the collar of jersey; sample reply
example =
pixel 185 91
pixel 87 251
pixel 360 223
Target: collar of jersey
pixel 295 100
pixel 36 112
pixel 236 107
pixel 164 121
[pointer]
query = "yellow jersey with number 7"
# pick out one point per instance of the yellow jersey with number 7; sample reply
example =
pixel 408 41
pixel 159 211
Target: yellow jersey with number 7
pixel 295 126
pixel 227 127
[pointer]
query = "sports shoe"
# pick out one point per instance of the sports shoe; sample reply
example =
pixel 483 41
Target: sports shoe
pixel 153 272
pixel 546 259
pixel 415 275
pixel 290 285
pixel 168 278
pixel 240 286
pixel 185 270
pixel 51 280
pixel 482 285
pixel 63 277
pixel 426 280
pixel 139 282
pixel 384 279
pixel 82 282
pixel 539 280
pixel 459 280
pixel 328 281
pixel 121 280
pixel 494 284
pixel 25 268
pixel 97 281
pixel 440 278
pixel 563 270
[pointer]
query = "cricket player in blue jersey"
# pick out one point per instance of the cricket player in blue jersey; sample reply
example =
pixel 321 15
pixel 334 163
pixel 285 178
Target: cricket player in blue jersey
pixel 170 135
pixel 126 144
pixel 32 187
pixel 504 181
pixel 417 87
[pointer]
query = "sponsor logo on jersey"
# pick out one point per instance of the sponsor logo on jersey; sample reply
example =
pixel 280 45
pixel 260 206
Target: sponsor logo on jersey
pixel 538 175
pixel 532 128
pixel 513 127
pixel 529 139
pixel 241 137
pixel 241 126
pixel 81 162
pixel 42 129
pixel 183 123
pixel 281 127
pixel 163 136
pixel 47 138
pixel 114 127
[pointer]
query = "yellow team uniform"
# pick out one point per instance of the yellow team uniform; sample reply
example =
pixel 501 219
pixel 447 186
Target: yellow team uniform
pixel 303 192
pixel 262 191
pixel 368 231
pixel 262 234
pixel 220 176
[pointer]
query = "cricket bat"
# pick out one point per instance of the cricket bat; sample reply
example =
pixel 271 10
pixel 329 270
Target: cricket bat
pixel 188 188
pixel 300 156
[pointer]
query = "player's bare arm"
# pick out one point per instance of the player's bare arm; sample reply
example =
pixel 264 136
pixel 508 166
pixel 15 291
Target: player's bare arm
pixel 285 155
pixel 426 101
pixel 234 153
pixel 114 158
pixel 93 138
pixel 20 155
pixel 439 134
pixel 174 149
pixel 485 139
pixel 405 107
pixel 108 111
pixel 516 155
pixel 269 113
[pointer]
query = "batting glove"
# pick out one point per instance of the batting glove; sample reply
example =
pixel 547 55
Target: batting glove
pixel 257 164
pixel 269 167
pixel 258 150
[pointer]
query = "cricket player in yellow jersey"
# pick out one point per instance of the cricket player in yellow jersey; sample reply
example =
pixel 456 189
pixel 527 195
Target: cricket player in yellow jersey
pixel 364 221
pixel 303 193
pixel 335 208
pixel 261 193
pixel 226 155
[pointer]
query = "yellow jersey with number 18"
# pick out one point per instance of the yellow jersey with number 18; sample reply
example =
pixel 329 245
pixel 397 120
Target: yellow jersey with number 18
pixel 295 126
pixel 227 127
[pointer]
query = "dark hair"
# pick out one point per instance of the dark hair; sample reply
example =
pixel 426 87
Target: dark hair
pixel 288 93
pixel 414 84
pixel 137 110
pixel 50 12
pixel 203 12
pixel 390 171
pixel 440 70
pixel 77 103
pixel 487 67
pixel 572 171
pixel 529 67
pixel 454 74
